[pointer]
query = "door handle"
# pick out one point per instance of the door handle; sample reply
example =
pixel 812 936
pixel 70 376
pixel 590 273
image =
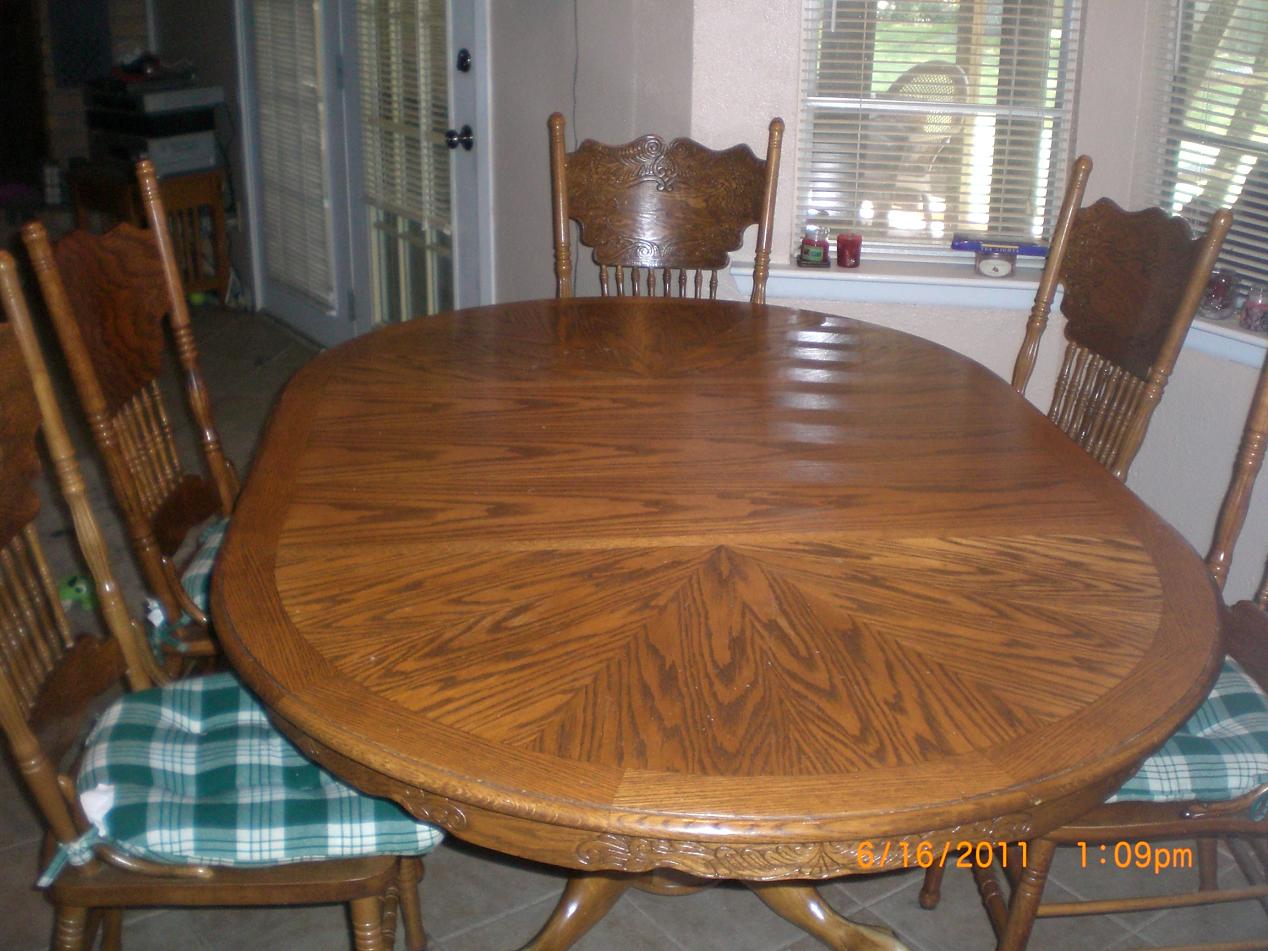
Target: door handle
pixel 453 138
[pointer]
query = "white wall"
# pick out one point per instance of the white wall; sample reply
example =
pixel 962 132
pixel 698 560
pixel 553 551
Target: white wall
pixel 633 75
pixel 1182 469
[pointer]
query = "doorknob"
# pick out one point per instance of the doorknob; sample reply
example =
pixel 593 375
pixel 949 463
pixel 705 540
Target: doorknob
pixel 453 139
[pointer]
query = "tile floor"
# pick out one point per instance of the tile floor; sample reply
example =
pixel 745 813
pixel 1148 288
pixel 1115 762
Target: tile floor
pixel 474 900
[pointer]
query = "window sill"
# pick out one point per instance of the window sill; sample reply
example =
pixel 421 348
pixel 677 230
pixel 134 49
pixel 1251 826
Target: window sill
pixel 946 284
pixel 894 281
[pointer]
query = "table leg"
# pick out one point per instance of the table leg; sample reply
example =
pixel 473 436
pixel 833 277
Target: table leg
pixel 586 899
pixel 804 907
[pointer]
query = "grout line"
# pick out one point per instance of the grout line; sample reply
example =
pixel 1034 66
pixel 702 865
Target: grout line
pixel 490 919
pixel 899 884
pixel 657 927
pixel 35 839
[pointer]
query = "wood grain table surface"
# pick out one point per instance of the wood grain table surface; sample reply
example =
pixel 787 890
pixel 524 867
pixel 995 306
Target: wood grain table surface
pixel 716 587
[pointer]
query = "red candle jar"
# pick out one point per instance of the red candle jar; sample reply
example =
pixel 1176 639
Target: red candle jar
pixel 849 248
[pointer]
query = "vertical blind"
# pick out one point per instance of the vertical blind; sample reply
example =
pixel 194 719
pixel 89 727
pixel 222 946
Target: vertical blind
pixel 1215 131
pixel 295 186
pixel 921 118
pixel 405 108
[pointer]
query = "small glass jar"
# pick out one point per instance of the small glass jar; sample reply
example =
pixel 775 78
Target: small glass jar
pixel 1217 302
pixel 1255 310
pixel 814 248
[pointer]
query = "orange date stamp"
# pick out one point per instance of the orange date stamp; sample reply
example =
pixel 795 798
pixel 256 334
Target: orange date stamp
pixel 924 854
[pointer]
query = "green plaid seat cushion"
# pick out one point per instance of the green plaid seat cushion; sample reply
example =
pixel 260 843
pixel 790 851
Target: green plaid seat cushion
pixel 196 581
pixel 194 773
pixel 197 577
pixel 1219 754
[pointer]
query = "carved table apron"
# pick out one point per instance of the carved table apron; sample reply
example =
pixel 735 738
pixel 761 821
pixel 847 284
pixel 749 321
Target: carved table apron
pixel 702 589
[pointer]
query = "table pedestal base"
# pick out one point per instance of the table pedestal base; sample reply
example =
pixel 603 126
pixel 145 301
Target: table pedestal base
pixel 587 898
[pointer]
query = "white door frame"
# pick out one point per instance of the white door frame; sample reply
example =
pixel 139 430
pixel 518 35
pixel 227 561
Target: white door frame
pixel 350 237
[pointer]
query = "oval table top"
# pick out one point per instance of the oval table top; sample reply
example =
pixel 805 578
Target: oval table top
pixel 627 584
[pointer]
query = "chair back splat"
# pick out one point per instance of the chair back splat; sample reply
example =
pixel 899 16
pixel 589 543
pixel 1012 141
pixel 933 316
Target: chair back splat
pixel 113 299
pixel 1132 283
pixel 658 215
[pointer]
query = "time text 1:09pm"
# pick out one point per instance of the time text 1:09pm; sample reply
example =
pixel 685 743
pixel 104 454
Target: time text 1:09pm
pixel 1139 854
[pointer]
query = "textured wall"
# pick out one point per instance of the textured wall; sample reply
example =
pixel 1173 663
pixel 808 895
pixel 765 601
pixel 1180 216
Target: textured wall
pixel 633 75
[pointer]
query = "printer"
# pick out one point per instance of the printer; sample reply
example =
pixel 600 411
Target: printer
pixel 172 122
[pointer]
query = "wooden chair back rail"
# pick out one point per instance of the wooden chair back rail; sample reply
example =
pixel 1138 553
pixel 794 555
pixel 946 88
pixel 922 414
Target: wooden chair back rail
pixel 1236 503
pixel 1095 402
pixel 656 206
pixel 1047 290
pixel 222 473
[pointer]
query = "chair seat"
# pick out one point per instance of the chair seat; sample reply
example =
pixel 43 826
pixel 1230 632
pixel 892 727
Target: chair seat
pixel 1219 754
pixel 194 773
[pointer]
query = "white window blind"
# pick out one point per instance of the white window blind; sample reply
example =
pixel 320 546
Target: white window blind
pixel 921 119
pixel 405 108
pixel 1215 131
pixel 295 187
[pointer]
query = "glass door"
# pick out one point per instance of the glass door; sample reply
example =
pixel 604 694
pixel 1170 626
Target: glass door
pixel 365 185
pixel 298 189
pixel 415 72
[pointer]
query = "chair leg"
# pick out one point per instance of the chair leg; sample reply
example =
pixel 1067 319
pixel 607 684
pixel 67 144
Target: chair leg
pixel 112 930
pixel 411 874
pixel 992 896
pixel 1208 864
pixel 931 890
pixel 367 923
pixel 69 928
pixel 1026 896
pixel 387 912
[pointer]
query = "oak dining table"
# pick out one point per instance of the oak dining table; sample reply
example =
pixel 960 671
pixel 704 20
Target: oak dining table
pixel 666 592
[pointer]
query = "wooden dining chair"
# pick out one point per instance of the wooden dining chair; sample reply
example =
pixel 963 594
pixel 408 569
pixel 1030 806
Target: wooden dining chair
pixel 50 681
pixel 1132 282
pixel 117 304
pixel 1209 780
pixel 653 211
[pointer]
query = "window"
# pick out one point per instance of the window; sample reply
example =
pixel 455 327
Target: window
pixel 1215 146
pixel 922 118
